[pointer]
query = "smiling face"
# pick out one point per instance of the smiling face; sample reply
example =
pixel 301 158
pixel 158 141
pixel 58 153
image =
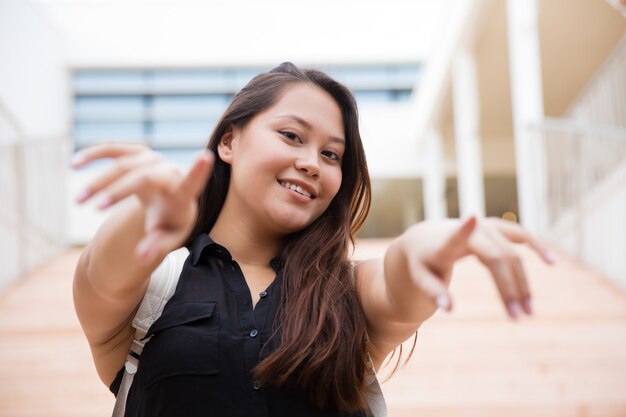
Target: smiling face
pixel 286 162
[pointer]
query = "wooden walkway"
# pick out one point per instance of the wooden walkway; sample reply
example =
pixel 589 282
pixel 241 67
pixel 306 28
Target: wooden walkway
pixel 569 359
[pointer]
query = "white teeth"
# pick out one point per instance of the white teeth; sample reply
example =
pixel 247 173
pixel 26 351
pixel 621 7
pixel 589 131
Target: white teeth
pixel 295 188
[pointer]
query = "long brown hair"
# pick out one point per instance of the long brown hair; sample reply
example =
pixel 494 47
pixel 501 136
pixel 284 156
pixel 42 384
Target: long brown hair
pixel 320 321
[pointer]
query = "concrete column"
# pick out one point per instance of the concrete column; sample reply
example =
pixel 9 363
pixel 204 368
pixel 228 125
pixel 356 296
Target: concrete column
pixel 466 103
pixel 527 106
pixel 434 186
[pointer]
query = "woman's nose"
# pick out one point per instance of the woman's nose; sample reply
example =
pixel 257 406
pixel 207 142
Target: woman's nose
pixel 308 164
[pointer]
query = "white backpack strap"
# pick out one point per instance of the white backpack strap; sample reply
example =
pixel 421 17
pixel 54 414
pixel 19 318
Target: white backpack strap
pixel 162 285
pixel 374 394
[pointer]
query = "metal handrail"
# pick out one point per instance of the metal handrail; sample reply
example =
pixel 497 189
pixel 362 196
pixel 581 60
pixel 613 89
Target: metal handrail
pixel 580 128
pixel 585 180
pixel 32 188
pixel 7 115
pixel 603 99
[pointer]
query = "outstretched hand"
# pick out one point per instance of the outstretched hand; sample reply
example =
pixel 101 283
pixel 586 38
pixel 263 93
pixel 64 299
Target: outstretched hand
pixel 167 195
pixel 433 248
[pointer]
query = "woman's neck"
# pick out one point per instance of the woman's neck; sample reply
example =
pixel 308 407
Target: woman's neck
pixel 244 242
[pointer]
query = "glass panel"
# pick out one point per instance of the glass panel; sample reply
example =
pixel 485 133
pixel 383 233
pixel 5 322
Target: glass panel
pixel 200 81
pixel 405 75
pixel 89 133
pixel 173 134
pixel 400 95
pixel 109 81
pixel 104 108
pixel 243 76
pixel 362 77
pixel 375 96
pixel 179 108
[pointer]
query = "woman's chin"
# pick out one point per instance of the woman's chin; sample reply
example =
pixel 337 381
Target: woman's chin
pixel 291 224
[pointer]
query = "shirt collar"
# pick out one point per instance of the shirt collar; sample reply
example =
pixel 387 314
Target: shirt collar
pixel 204 244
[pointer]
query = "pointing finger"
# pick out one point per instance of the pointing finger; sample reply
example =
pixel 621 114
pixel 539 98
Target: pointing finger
pixel 196 178
pixel 456 245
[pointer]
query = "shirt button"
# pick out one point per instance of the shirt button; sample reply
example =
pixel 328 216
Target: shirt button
pixel 254 332
pixel 256 385
pixel 263 294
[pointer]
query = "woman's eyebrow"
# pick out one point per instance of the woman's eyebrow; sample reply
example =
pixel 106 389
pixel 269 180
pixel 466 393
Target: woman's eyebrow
pixel 308 126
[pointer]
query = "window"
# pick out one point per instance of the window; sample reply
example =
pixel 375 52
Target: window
pixel 178 109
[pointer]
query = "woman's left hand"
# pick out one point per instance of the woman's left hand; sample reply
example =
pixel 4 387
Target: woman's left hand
pixel 432 248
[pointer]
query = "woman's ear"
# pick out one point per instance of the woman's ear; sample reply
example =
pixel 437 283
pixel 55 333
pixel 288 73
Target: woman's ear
pixel 225 146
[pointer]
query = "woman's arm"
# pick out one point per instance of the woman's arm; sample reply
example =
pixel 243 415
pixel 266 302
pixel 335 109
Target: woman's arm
pixel 405 288
pixel 113 271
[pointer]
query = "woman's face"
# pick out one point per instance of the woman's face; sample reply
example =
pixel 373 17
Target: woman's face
pixel 286 162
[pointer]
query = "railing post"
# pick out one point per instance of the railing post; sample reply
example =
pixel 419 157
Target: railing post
pixel 21 225
pixel 466 104
pixel 527 106
pixel 434 187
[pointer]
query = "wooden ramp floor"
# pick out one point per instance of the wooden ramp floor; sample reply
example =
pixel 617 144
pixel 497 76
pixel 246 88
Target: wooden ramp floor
pixel 568 360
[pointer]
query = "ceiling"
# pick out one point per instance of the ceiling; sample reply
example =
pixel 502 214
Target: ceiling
pixel 576 37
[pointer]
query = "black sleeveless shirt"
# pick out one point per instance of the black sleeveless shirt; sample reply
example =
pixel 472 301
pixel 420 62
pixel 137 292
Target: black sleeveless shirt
pixel 206 343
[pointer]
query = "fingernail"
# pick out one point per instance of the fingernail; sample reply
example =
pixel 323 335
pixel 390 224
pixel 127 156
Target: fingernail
pixel 144 255
pixel 551 257
pixel 142 249
pixel 82 196
pixel 443 302
pixel 77 159
pixel 104 202
pixel 513 309
pixel 527 306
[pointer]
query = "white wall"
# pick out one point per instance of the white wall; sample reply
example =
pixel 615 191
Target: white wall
pixel 391 151
pixel 33 80
pixel 186 33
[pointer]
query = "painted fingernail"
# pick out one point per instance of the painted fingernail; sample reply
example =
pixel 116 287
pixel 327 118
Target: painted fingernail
pixel 551 257
pixel 82 196
pixel 527 306
pixel 443 302
pixel 77 159
pixel 513 309
pixel 104 202
pixel 142 249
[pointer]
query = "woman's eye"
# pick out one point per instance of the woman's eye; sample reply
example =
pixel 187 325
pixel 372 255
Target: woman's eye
pixel 332 155
pixel 290 135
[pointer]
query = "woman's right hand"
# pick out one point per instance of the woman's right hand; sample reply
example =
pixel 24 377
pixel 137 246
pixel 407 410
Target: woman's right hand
pixel 169 196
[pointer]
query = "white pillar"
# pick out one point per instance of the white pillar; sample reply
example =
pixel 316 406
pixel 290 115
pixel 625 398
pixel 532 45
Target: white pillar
pixel 466 104
pixel 527 106
pixel 434 178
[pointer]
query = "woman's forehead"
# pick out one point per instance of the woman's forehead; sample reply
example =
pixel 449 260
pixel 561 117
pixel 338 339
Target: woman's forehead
pixel 311 107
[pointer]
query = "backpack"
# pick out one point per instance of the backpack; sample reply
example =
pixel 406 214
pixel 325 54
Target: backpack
pixel 162 285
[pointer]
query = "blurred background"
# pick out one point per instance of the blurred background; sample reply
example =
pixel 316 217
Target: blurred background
pixel 515 109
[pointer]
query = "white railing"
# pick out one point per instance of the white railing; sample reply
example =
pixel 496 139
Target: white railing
pixel 586 193
pixel 603 100
pixel 586 171
pixel 32 198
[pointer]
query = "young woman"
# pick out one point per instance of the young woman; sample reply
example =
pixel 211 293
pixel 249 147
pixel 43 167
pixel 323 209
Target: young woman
pixel 270 316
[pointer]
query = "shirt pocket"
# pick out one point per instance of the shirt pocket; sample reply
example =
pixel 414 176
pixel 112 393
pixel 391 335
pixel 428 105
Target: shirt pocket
pixel 184 342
